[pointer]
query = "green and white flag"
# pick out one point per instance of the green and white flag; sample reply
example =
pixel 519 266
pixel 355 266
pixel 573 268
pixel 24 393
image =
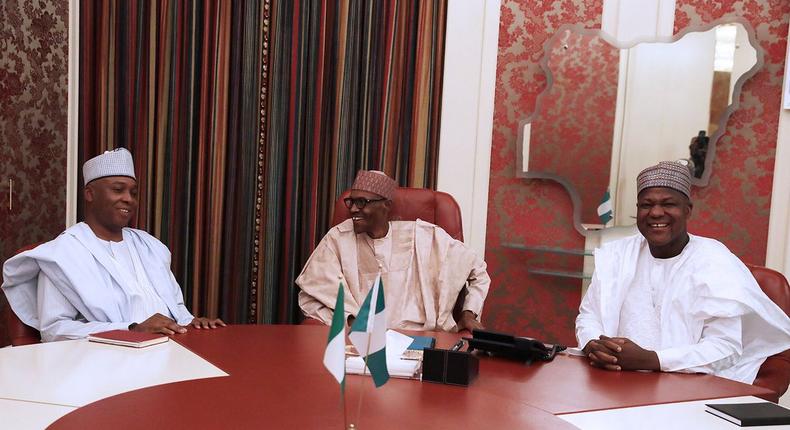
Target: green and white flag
pixel 605 212
pixel 369 333
pixel 335 354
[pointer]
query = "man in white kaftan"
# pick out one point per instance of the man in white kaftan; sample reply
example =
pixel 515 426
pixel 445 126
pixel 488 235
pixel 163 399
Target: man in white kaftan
pixel 667 300
pixel 78 284
pixel 99 275
pixel 423 268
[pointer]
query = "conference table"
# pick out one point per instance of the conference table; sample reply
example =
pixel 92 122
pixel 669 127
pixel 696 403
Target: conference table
pixel 272 376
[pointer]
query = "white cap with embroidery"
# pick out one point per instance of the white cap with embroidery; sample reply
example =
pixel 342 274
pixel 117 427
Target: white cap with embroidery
pixel 117 162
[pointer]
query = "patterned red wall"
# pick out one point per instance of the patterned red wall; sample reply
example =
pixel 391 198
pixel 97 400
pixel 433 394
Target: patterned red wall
pixel 33 90
pixel 734 208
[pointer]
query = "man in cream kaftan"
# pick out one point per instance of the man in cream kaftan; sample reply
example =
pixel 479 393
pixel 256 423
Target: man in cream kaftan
pixel 667 300
pixel 423 269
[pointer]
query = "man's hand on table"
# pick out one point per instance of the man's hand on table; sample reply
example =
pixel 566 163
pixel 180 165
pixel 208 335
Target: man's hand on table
pixel 634 357
pixel 619 353
pixel 158 323
pixel 200 323
pixel 469 322
pixel 601 352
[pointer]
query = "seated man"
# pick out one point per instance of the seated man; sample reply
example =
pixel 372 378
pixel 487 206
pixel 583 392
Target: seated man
pixel 422 268
pixel 99 275
pixel 667 300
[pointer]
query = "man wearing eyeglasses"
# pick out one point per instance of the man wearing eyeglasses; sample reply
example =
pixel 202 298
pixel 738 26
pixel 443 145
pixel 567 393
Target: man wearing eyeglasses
pixel 422 268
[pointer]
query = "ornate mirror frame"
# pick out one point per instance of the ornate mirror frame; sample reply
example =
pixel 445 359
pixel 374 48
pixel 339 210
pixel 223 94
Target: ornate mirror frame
pixel 579 29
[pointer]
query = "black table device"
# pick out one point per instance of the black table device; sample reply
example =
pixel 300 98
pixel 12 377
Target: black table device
pixel 507 345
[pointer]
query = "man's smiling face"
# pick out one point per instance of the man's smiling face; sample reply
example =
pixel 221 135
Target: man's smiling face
pixel 112 200
pixel 661 217
pixel 371 218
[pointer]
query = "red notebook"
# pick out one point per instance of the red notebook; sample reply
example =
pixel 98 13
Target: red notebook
pixel 128 338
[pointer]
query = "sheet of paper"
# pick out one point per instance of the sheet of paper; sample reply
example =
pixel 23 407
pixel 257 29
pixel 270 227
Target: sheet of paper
pixel 77 372
pixel 397 343
pixel 397 367
pixel 574 351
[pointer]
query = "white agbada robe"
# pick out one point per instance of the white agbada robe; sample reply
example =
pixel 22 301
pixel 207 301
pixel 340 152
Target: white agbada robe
pixel 78 284
pixel 701 311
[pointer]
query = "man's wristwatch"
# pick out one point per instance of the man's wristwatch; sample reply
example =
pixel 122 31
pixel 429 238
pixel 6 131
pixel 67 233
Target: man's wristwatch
pixel 132 326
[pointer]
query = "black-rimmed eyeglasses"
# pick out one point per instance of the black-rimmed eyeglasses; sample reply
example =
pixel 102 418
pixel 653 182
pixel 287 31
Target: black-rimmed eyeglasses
pixel 359 202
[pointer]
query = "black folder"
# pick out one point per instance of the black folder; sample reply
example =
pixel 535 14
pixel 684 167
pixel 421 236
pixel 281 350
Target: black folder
pixel 751 414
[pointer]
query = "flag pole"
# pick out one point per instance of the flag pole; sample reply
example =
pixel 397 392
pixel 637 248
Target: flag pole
pixel 343 405
pixel 364 369
pixel 335 353
pixel 372 305
pixel 343 399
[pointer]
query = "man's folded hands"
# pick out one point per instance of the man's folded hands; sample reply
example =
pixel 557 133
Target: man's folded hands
pixel 619 353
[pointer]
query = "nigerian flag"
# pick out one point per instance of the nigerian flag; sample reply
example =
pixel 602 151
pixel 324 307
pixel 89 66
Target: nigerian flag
pixel 605 212
pixel 369 333
pixel 335 354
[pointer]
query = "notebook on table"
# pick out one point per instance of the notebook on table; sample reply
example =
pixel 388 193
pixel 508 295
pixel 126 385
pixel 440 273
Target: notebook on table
pixel 128 338
pixel 751 414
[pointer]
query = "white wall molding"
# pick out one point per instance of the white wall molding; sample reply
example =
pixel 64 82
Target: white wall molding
pixel 72 113
pixel 630 20
pixel 778 249
pixel 471 47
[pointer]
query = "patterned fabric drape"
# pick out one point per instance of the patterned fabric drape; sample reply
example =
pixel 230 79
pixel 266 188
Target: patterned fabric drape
pixel 248 119
pixel 355 84
pixel 177 83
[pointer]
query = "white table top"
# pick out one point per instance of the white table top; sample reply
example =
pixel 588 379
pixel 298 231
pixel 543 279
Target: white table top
pixel 77 372
pixel 21 415
pixel 682 415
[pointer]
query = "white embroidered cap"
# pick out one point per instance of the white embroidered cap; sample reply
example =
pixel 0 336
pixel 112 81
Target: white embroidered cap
pixel 117 162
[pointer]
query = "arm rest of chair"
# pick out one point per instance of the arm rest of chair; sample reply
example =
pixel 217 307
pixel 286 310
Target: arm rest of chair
pixel 26 340
pixel 774 374
pixel 18 333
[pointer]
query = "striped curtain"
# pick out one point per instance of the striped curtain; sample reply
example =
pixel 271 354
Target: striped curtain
pixel 178 83
pixel 247 119
pixel 355 85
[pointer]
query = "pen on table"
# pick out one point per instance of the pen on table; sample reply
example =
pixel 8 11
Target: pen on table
pixel 457 345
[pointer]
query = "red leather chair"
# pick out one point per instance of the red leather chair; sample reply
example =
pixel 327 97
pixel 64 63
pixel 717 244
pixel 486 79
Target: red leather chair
pixel 18 332
pixel 409 204
pixel 774 374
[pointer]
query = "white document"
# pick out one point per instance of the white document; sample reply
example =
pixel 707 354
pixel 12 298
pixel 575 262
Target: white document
pixel 575 351
pixel 397 366
pixel 77 372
